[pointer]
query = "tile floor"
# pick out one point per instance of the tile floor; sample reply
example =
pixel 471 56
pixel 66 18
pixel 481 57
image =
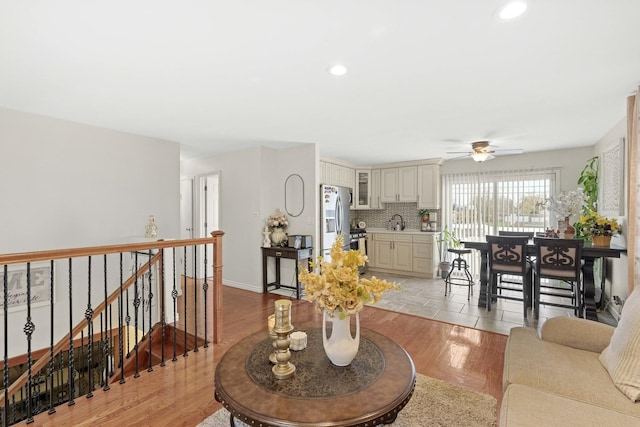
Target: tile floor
pixel 425 297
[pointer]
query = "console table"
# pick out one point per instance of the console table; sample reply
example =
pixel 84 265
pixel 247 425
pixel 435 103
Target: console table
pixel 372 390
pixel 287 253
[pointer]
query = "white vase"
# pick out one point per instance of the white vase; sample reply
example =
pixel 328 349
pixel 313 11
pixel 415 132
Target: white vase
pixel 341 347
pixel 278 236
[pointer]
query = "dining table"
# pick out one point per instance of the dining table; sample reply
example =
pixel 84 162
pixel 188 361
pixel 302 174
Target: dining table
pixel 589 255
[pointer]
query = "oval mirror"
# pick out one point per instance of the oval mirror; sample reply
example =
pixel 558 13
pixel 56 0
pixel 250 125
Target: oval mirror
pixel 294 195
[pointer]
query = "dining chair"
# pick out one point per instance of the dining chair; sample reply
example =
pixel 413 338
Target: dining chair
pixel 508 255
pixel 559 260
pixel 506 278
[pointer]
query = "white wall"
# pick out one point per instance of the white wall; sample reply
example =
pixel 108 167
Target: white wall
pixel 67 185
pixel 251 189
pixel 617 280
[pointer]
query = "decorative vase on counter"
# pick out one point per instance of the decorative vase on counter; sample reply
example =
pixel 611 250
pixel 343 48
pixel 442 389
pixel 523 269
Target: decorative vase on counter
pixel 601 241
pixel 569 231
pixel 278 236
pixel 341 347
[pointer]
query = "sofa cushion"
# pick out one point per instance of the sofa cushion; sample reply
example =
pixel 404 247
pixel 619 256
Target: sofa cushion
pixel 622 357
pixel 524 406
pixel 562 370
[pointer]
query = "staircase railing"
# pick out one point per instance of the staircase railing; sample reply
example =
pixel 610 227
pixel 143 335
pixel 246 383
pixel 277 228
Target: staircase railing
pixel 49 359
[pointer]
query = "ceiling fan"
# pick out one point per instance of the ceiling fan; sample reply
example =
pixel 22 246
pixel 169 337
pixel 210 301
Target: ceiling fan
pixel 482 151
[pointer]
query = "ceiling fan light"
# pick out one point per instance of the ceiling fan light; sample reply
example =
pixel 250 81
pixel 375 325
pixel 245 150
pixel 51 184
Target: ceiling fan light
pixel 338 70
pixel 512 10
pixel 480 156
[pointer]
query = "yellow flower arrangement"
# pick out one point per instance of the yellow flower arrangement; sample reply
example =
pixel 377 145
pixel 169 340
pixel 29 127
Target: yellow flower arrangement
pixel 336 285
pixel 594 224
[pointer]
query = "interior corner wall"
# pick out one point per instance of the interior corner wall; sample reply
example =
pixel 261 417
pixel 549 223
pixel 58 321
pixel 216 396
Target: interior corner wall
pixel 240 211
pixel 251 189
pixel 65 184
pixel 617 278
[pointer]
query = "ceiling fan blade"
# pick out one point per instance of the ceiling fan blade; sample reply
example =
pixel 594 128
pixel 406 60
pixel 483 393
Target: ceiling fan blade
pixel 459 152
pixel 509 151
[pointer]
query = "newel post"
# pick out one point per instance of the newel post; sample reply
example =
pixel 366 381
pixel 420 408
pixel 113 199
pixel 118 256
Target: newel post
pixel 217 286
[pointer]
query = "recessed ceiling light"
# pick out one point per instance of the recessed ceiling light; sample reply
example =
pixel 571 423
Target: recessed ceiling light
pixel 338 70
pixel 512 10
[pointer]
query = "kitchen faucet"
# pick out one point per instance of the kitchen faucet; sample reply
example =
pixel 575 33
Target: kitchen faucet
pixel 399 226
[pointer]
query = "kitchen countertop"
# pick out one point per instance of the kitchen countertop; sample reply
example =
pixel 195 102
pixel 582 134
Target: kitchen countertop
pixel 405 231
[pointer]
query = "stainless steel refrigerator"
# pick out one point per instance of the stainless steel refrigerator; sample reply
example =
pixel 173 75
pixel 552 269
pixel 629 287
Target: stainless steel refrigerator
pixel 334 217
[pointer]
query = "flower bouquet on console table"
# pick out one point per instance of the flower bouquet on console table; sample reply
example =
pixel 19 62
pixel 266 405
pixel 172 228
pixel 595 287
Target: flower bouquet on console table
pixel 599 228
pixel 278 223
pixel 339 293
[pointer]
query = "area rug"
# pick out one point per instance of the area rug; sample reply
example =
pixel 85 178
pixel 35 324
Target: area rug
pixel 434 403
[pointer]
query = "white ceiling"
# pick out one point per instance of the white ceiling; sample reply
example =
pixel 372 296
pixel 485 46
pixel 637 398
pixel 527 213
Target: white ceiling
pixel 425 77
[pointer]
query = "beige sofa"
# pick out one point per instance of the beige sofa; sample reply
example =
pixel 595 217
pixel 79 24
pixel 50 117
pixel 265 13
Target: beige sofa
pixel 558 379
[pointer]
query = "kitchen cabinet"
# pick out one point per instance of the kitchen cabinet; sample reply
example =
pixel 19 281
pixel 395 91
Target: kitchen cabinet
pixel 375 190
pixel 424 255
pixel 393 251
pixel 399 184
pixel 367 189
pixel 334 174
pixel 363 189
pixel 404 252
pixel 429 186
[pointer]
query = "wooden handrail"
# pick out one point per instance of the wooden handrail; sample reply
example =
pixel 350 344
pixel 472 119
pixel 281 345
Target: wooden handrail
pixel 25 257
pixel 110 249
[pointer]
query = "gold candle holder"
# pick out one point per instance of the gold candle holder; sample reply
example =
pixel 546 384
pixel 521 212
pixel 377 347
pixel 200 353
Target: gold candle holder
pixel 271 323
pixel 283 368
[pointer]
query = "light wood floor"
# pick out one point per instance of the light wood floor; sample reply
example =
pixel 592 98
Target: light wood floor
pixel 181 393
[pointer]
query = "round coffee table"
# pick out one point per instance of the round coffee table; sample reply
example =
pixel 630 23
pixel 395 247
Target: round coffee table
pixel 370 391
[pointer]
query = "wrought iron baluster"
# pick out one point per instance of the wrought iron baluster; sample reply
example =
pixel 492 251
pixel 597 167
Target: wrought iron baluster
pixel 136 306
pixel 106 357
pixel 195 297
pixel 205 288
pixel 120 333
pixel 174 296
pixel 149 305
pixel 88 315
pixel 29 328
pixel 184 298
pixel 163 301
pixel 70 367
pixel 5 369
pixel 52 408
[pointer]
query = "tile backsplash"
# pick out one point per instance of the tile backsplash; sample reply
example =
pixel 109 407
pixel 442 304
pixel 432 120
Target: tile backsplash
pixel 379 218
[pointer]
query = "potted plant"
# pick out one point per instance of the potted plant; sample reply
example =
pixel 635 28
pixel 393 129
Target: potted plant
pixel 446 240
pixel 424 215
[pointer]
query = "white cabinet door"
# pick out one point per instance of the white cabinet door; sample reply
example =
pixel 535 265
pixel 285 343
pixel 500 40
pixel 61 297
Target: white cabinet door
pixel 407 184
pixel 347 176
pixel 429 186
pixel 383 253
pixel 335 174
pixel 399 184
pixel 375 189
pixel 389 185
pixel 362 193
pixel 403 256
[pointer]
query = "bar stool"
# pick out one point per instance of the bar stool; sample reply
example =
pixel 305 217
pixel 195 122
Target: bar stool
pixel 459 279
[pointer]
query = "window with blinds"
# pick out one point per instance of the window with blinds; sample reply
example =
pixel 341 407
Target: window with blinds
pixel 477 204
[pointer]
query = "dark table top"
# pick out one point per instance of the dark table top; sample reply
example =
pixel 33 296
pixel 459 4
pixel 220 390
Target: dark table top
pixel 375 386
pixel 587 250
